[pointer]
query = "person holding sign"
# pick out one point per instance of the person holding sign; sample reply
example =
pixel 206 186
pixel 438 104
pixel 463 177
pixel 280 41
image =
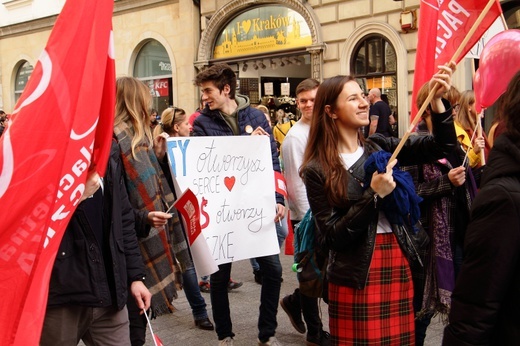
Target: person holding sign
pixel 227 114
pixel 174 122
pixel 370 283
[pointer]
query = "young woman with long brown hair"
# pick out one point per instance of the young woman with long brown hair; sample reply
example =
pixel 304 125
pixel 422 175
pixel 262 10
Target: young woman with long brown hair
pixel 370 284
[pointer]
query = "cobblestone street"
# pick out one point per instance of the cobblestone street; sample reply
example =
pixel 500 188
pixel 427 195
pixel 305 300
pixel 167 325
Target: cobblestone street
pixel 178 328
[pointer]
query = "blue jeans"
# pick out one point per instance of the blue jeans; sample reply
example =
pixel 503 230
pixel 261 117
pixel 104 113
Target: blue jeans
pixel 281 233
pixel 192 291
pixel 269 296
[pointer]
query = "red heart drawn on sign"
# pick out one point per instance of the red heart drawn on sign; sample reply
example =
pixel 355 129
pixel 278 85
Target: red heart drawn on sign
pixel 229 182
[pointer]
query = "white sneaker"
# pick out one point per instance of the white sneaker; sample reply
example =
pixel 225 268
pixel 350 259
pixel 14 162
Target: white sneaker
pixel 226 342
pixel 271 342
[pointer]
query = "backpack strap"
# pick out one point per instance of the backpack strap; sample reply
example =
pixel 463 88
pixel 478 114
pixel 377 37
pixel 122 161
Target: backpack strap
pixel 279 129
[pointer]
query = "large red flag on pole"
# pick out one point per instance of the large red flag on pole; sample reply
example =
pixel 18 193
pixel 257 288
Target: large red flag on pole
pixel 61 125
pixel 443 25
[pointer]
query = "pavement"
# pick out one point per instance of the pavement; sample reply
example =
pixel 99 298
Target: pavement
pixel 178 328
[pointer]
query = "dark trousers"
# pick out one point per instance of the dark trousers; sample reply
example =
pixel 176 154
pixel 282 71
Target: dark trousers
pixel 68 324
pixel 137 323
pixel 310 311
pixel 269 296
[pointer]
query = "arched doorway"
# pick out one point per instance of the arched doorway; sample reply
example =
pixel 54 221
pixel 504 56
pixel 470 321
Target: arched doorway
pixel 153 66
pixel 21 78
pixel 374 63
pixel 396 56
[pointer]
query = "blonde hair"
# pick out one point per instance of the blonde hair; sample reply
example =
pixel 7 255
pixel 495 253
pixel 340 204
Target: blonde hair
pixel 167 122
pixel 464 118
pixel 133 105
pixel 263 109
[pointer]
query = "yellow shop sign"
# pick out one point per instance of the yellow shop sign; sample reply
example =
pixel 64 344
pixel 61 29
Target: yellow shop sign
pixel 263 29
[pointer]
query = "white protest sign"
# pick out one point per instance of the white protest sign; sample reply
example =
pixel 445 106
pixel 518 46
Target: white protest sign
pixel 233 180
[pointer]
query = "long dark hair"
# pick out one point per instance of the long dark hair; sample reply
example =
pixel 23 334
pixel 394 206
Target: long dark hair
pixel 322 145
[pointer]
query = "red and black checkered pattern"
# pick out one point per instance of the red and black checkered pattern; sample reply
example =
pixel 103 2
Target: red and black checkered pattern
pixel 381 313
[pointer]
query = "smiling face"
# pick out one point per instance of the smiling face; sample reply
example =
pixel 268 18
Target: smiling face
pixel 305 101
pixel 212 96
pixel 351 109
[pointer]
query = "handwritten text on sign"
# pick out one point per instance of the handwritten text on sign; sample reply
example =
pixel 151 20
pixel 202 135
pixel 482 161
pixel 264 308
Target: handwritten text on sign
pixel 232 178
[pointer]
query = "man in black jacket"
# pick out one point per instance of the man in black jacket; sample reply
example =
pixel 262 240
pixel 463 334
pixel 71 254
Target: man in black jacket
pixel 97 263
pixel 227 114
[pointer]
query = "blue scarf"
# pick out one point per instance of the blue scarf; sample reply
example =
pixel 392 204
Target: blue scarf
pixel 402 205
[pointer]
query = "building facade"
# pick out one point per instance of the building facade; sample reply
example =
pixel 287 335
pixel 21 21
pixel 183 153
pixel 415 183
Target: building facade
pixel 271 44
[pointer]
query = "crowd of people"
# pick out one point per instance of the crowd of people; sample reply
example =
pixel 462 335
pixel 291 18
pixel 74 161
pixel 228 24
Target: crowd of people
pixel 434 231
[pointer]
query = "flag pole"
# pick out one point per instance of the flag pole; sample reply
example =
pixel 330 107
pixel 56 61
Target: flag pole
pixel 478 118
pixel 479 133
pixel 436 86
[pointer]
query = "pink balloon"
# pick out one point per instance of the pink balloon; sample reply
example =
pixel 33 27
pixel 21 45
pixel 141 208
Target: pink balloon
pixel 499 61
pixel 477 87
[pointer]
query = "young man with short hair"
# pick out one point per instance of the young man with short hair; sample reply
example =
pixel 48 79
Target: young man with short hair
pixel 228 114
pixel 292 153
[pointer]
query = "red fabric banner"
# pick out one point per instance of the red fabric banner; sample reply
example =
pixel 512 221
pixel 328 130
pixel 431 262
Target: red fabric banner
pixel 62 123
pixel 443 25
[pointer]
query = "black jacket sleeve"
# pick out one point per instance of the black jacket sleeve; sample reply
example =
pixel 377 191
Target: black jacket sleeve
pixel 490 266
pixel 424 148
pixel 134 262
pixel 338 228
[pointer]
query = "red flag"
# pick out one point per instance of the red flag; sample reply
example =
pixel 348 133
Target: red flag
pixel 280 185
pixel 64 116
pixel 188 205
pixel 443 25
pixel 289 240
pixel 158 341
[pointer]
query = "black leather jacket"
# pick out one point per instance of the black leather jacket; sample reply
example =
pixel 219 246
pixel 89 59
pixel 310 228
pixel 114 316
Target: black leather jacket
pixel 80 275
pixel 349 231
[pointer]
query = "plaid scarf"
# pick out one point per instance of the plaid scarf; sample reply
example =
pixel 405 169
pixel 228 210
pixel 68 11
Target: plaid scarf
pixel 148 190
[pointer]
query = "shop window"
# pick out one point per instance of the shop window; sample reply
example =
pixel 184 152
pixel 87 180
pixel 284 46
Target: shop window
pixel 153 67
pixel 21 79
pixel 374 63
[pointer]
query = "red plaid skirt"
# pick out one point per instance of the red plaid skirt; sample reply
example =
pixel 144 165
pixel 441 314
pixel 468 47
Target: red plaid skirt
pixel 382 312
